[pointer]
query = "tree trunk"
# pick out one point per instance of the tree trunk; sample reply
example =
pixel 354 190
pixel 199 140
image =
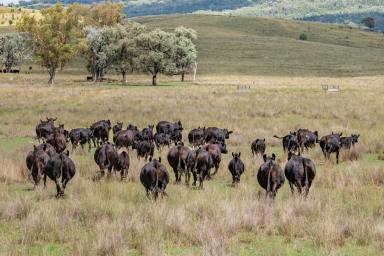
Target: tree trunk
pixel 52 74
pixel 154 83
pixel 8 69
pixel 182 76
pixel 124 73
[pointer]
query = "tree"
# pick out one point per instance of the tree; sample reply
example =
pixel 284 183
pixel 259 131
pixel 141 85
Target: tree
pixel 125 50
pixel 156 50
pixel 53 36
pixel 100 15
pixel 369 22
pixel 185 53
pixel 98 51
pixel 13 50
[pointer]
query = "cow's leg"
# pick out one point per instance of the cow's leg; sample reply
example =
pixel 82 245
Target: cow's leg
pixel 187 177
pixel 45 181
pixel 194 178
pixel 337 156
pixel 299 187
pixel 176 175
pixel 292 188
pixel 58 187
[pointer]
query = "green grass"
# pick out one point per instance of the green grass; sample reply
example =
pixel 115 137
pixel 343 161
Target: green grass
pixel 264 46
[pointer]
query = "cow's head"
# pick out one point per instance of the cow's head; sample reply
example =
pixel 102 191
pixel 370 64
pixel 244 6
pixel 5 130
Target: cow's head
pixel 355 138
pixel 227 133
pixel 268 159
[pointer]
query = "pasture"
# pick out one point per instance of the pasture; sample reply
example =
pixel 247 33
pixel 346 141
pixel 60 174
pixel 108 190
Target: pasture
pixel 343 214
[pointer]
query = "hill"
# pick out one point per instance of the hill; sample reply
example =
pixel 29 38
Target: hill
pixel 266 46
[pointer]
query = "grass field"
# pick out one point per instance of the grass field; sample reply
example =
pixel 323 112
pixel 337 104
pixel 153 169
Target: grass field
pixel 264 46
pixel 343 214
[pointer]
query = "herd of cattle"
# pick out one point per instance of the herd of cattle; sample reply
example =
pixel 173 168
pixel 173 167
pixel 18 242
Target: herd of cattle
pixel 52 159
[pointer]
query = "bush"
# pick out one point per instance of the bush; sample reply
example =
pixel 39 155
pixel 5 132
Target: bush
pixel 303 36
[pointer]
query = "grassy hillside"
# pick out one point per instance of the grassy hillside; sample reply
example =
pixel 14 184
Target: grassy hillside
pixel 10 15
pixel 265 46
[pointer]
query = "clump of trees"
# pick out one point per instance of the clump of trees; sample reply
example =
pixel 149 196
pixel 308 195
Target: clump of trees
pixel 97 33
pixel 13 50
pixel 369 22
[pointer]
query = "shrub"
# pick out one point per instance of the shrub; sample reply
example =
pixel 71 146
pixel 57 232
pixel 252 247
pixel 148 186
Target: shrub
pixel 303 36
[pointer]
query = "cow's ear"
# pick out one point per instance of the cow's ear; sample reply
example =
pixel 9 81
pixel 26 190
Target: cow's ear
pixel 179 122
pixel 239 154
pixel 233 155
pixel 159 159
pixel 264 139
pixel 265 158
pixel 150 159
pixel 358 135
pixel 34 147
pixel 230 132
pixel 273 156
pixel 44 146
pixel 67 153
pixel 341 133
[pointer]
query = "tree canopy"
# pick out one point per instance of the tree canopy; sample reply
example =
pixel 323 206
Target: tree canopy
pixel 53 36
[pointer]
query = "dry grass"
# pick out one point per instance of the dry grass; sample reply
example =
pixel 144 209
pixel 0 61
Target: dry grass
pixel 343 214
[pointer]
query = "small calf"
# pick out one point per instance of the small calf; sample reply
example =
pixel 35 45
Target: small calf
pixel 258 147
pixel 236 167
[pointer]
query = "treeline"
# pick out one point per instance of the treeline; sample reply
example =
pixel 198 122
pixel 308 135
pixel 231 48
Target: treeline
pixel 98 34
pixel 142 8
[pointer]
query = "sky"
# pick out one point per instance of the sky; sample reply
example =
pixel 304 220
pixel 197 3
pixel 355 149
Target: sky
pixel 9 1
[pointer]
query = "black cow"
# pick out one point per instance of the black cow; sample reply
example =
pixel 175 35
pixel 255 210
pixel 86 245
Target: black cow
pixel 178 159
pixel 217 134
pixel 117 127
pixel 45 128
pixel 215 149
pixel 155 178
pixel 258 147
pixel 168 127
pixel 290 142
pixel 125 138
pixel 196 137
pixel 300 172
pixel 203 163
pixel 37 158
pixel 60 169
pixel 146 133
pixel 121 164
pixel 80 136
pixel 57 140
pixel 236 167
pixel 331 144
pixel 161 140
pixel 176 136
pixel 105 157
pixel 348 142
pixel 144 148
pixel 307 139
pixel 270 175
pixel 100 131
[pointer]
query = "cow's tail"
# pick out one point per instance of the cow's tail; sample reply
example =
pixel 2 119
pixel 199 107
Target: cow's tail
pixel 269 180
pixel 157 188
pixel 306 175
pixel 275 136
